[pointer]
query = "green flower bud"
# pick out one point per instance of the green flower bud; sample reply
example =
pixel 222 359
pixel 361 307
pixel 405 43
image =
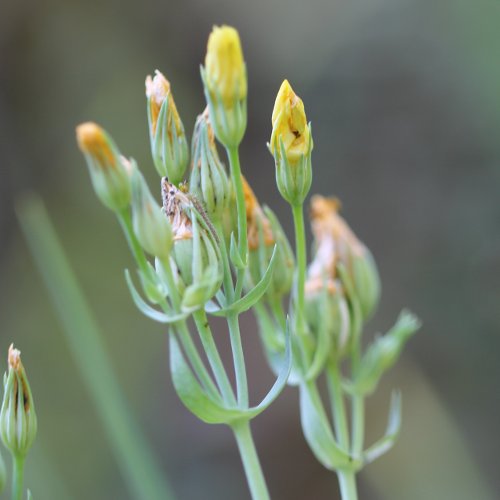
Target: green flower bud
pixel 225 85
pixel 384 352
pixel 208 181
pixel 150 224
pixel 263 232
pixel 169 146
pixel 291 145
pixel 18 423
pixel 196 252
pixel 335 244
pixel 109 172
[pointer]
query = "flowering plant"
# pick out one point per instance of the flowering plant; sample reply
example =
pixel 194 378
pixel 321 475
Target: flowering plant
pixel 211 249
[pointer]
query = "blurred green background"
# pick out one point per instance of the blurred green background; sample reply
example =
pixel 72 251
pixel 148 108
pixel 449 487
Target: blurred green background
pixel 404 98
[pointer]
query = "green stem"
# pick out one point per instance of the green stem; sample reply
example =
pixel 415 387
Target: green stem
pixel 137 251
pixel 357 403
pixel 239 360
pixel 347 483
pixel 17 478
pixel 300 249
pixel 135 458
pixel 213 356
pixel 347 479
pixel 338 406
pixel 250 459
pixel 228 278
pixel 234 162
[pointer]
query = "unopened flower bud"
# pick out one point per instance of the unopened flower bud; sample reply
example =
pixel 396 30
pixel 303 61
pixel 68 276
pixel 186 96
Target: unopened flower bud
pixel 196 253
pixel 151 227
pixel 109 173
pixel 166 131
pixel 291 145
pixel 225 82
pixel 18 423
pixel 384 352
pixel 208 181
pixel 335 244
pixel 264 232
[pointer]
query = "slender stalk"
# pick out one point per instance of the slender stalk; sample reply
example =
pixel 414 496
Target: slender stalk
pixel 131 450
pixel 228 278
pixel 347 482
pixel 347 479
pixel 357 404
pixel 250 459
pixel 17 477
pixel 239 360
pixel 137 251
pixel 234 162
pixel 195 359
pixel 213 356
pixel 300 249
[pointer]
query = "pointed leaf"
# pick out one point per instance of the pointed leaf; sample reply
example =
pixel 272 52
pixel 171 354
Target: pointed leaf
pixel 393 427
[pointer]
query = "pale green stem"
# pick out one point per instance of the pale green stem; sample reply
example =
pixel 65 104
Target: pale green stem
pixel 234 162
pixel 137 251
pixel 300 249
pixel 239 360
pixel 185 336
pixel 250 459
pixel 134 457
pixel 347 479
pixel 357 404
pixel 213 356
pixel 228 278
pixel 17 477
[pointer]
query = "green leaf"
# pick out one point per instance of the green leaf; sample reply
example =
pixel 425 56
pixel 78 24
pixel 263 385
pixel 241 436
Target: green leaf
pixel 149 311
pixel 318 433
pixel 251 297
pixel 384 444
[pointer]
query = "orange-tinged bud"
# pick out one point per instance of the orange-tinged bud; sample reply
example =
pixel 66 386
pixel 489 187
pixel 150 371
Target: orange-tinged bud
pixel 92 140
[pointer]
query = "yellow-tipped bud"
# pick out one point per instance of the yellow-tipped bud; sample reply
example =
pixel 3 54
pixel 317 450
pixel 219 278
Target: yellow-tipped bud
pixel 225 82
pixel 224 66
pixel 109 171
pixel 290 125
pixel 92 140
pixel 166 131
pixel 291 145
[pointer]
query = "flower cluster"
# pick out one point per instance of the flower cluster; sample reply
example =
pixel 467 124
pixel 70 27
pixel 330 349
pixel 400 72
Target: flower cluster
pixel 217 252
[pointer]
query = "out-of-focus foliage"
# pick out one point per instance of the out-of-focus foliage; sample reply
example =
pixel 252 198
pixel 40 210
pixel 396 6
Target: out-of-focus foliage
pixel 404 101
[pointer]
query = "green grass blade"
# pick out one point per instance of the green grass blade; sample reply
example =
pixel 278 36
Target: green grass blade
pixel 135 459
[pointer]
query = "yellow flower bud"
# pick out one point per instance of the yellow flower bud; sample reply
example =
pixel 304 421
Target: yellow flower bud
pixel 92 140
pixel 224 66
pixel 290 125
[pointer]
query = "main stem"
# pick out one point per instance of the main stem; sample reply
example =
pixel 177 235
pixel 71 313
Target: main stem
pixel 300 249
pixel 17 478
pixel 251 464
